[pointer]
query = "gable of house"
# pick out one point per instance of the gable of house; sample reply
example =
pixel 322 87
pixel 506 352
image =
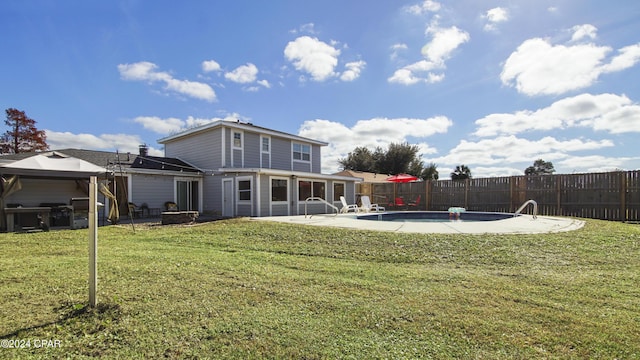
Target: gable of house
pixel 226 144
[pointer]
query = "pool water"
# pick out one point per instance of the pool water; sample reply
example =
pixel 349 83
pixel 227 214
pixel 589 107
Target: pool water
pixel 435 216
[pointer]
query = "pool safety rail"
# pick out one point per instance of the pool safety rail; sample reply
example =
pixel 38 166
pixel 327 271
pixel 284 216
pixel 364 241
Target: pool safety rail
pixel 306 201
pixel 528 202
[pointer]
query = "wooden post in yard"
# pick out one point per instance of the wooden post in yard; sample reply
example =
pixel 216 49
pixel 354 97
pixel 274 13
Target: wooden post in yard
pixel 93 241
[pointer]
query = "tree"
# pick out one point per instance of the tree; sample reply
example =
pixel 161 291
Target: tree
pixel 461 172
pixel 360 159
pixel 396 159
pixel 540 167
pixel 22 136
pixel 399 159
pixel 430 172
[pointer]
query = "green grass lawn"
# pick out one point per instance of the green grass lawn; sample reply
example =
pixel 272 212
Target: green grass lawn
pixel 248 289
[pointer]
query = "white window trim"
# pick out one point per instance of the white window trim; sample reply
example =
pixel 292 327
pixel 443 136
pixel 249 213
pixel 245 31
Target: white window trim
pixel 188 179
pixel 333 190
pixel 251 190
pixel 312 194
pixel 301 160
pixel 285 202
pixel 233 139
pixel 262 137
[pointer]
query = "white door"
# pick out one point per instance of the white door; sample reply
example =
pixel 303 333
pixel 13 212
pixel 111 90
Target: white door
pixel 227 198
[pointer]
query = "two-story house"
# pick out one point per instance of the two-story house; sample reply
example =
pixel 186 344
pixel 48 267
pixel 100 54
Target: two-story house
pixel 254 171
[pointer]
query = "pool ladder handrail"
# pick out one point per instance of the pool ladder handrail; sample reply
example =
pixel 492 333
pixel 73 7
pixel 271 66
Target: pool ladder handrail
pixel 314 198
pixel 528 202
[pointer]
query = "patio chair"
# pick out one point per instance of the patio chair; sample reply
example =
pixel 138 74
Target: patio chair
pixel 346 207
pixel 414 204
pixel 368 206
pixel 398 203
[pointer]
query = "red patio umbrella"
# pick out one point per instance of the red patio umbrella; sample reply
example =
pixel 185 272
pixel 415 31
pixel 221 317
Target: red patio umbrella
pixel 402 178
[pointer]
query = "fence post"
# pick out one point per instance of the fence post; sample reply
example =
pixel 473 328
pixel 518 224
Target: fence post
pixel 623 196
pixel 427 195
pixel 512 184
pixel 558 195
pixel 466 193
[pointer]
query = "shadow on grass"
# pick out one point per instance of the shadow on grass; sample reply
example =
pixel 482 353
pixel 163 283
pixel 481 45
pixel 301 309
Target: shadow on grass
pixel 99 316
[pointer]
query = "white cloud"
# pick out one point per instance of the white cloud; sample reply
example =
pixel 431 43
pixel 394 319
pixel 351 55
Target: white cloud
pixel 584 31
pixel 146 71
pixel 494 17
pixel 507 152
pixel 264 83
pixel 243 74
pixel 594 163
pixel 396 48
pixel 371 134
pixel 425 7
pixel 308 28
pixel 538 67
pixel 353 70
pixel 605 112
pixel 105 142
pixel 210 66
pixel 171 125
pixel 159 125
pixel 444 41
pixel 628 57
pixel 313 56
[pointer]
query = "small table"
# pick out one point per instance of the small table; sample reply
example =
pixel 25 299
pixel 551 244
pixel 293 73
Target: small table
pixel 11 212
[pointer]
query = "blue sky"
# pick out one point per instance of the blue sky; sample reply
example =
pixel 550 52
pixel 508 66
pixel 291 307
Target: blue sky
pixel 493 85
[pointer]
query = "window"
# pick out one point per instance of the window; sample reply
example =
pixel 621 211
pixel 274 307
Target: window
pixel 187 196
pixel 338 190
pixel 279 190
pixel 301 152
pixel 244 190
pixel 266 144
pixel 307 189
pixel 237 140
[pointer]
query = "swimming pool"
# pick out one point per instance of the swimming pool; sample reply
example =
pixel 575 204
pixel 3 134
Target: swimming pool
pixel 435 216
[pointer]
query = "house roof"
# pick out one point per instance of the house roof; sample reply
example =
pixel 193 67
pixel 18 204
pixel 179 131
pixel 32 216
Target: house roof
pixel 366 177
pixel 240 126
pixel 113 160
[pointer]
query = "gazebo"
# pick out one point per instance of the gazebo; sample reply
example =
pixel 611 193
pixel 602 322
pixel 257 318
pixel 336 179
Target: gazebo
pixel 42 170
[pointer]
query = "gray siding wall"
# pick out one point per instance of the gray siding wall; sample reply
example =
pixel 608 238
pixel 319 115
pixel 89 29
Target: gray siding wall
pixel 154 190
pixel 203 150
pixel 212 195
pixel 265 191
pixel 280 154
pixel 316 158
pixel 265 161
pixel 251 150
pixel 301 166
pixel 237 158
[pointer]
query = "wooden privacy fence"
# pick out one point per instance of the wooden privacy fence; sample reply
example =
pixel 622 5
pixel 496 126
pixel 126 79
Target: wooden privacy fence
pixel 608 196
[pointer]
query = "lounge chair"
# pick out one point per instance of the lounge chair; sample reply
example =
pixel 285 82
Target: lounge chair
pixel 368 206
pixel 346 207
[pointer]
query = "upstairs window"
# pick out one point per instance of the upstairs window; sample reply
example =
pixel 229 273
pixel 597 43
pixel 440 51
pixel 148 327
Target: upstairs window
pixel 301 152
pixel 266 144
pixel 237 140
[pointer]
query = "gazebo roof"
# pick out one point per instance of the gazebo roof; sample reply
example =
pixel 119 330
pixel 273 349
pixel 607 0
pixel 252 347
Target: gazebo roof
pixel 53 164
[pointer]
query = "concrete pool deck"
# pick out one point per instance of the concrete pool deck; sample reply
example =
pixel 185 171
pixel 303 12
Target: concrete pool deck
pixel 524 224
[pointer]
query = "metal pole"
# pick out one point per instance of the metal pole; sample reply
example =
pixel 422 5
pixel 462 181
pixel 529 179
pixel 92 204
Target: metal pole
pixel 93 241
